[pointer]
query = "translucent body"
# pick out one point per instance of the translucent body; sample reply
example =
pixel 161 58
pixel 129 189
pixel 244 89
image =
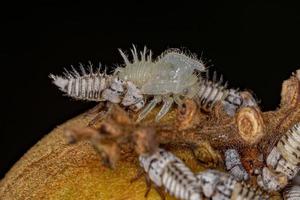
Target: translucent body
pixel 172 73
pixel 170 78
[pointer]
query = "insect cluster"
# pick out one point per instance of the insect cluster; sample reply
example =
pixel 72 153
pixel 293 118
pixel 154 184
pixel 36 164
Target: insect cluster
pixel 283 161
pixel 165 169
pixel 142 83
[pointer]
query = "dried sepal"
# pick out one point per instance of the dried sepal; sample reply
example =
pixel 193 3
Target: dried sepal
pixel 145 140
pixel 109 153
pixel 114 136
pixel 120 116
pixel 76 134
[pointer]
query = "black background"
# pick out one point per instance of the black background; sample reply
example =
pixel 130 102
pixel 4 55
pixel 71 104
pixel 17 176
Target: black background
pixel 255 45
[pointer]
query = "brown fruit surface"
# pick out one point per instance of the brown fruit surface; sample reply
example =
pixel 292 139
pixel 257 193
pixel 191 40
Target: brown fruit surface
pixel 52 169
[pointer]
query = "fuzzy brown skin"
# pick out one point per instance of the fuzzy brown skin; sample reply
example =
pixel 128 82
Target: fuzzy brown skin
pixel 55 169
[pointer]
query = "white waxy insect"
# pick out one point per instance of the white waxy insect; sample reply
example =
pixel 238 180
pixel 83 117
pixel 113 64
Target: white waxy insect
pixel 211 92
pixel 217 185
pixel 97 86
pixel 142 83
pixel 166 170
pixel 270 180
pixel 170 78
pixel 83 86
pixel 234 165
pixel 291 192
pixel 283 162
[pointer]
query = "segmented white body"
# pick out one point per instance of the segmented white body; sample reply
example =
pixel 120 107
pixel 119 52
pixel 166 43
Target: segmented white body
pixel 84 86
pixel 166 170
pixel 212 91
pixel 216 185
pixel 96 86
pixel 234 165
pixel 283 161
pixel 292 192
pixel 168 79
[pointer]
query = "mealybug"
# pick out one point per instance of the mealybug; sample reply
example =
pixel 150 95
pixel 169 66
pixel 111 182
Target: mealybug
pixel 211 92
pixel 142 83
pixel 234 165
pixel 291 192
pixel 166 170
pixel 218 185
pixel 168 79
pixel 283 161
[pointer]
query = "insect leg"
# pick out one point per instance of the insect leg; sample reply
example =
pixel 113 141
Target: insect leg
pixel 148 185
pixel 148 108
pixel 178 100
pixel 168 102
